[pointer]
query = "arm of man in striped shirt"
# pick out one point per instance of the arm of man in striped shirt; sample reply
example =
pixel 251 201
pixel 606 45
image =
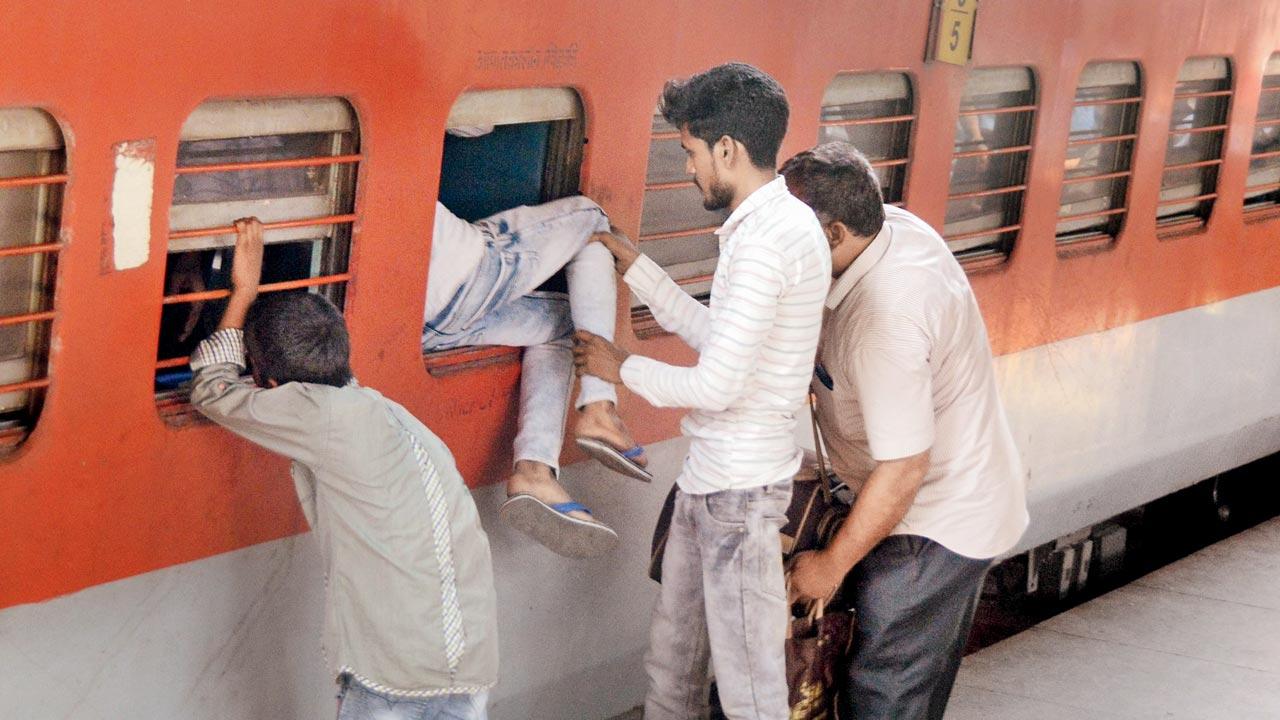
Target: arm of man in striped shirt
pixel 674 309
pixel 754 282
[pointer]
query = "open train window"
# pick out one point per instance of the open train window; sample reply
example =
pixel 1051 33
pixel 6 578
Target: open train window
pixel 676 231
pixel 505 148
pixel 989 166
pixel 292 164
pixel 1104 127
pixel 874 112
pixel 32 174
pixel 1193 154
pixel 1262 189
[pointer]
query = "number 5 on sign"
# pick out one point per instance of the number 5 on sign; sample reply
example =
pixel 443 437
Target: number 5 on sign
pixel 954 20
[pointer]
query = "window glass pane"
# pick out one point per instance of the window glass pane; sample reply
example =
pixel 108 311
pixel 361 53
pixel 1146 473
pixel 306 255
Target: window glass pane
pixel 252 184
pixel 666 162
pixel 1199 102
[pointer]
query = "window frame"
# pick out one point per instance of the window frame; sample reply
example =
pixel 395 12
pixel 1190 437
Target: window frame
pixel 202 225
pixel 28 374
pixel 1262 208
pixel 1076 241
pixel 980 257
pixel 562 175
pixel 904 152
pixel 1181 223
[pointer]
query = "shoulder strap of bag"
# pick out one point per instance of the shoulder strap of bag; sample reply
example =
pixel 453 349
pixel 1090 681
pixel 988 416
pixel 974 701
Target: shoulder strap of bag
pixel 819 447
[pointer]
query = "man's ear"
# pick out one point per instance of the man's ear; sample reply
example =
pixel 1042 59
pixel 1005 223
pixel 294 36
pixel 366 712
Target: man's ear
pixel 726 151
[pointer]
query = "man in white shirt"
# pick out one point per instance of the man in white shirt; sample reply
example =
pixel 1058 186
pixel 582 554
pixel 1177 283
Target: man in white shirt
pixel 482 289
pixel 907 399
pixel 723 594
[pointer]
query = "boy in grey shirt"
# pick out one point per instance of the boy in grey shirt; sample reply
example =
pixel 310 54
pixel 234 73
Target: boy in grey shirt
pixel 410 618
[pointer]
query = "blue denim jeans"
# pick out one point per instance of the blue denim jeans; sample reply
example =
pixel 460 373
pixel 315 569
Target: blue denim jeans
pixel 356 702
pixel 723 602
pixel 499 305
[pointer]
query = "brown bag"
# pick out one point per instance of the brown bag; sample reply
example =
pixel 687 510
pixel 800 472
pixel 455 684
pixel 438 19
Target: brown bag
pixel 813 517
pixel 817 652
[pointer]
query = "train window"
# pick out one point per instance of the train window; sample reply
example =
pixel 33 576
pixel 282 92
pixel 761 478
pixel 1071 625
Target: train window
pixel 292 164
pixel 675 229
pixel 1193 154
pixel 1262 189
pixel 874 112
pixel 505 148
pixel 989 167
pixel 32 174
pixel 1104 126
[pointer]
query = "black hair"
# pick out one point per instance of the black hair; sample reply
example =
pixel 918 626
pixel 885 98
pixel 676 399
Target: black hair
pixel 734 99
pixel 297 337
pixel 838 182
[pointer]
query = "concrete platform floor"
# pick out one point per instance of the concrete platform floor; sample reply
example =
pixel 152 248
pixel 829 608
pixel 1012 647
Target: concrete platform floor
pixel 1198 639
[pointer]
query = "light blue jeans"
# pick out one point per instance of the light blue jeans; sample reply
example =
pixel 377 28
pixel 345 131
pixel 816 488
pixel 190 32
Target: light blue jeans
pixel 356 702
pixel 723 603
pixel 500 305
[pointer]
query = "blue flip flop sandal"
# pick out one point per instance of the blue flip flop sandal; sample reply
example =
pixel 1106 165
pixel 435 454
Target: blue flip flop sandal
pixel 619 461
pixel 552 526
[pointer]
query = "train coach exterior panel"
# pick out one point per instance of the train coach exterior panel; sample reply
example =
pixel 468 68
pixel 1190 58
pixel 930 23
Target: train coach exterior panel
pixel 1128 365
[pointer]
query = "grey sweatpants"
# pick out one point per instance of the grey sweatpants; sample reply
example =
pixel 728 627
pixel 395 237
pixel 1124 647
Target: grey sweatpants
pixel 914 602
pixel 723 600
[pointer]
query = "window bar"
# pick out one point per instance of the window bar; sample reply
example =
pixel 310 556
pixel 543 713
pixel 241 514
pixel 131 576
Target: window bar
pixel 27 318
pixel 867 121
pixel 1112 101
pixel 998 110
pixel 1088 215
pixel 1194 130
pixel 1266 187
pixel 1267 123
pixel 666 135
pixel 984 233
pixel 671 235
pixel 1265 155
pixel 1197 198
pixel 1206 94
pixel 987 193
pixel 270 287
pixel 1101 140
pixel 30 249
pixel 895 162
pixel 270 164
pixel 673 185
pixel 24 385
pixel 996 151
pixel 1095 178
pixel 694 280
pixel 29 180
pixel 1192 165
pixel 279 225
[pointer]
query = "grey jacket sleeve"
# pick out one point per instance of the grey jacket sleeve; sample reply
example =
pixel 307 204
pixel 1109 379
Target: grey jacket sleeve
pixel 293 419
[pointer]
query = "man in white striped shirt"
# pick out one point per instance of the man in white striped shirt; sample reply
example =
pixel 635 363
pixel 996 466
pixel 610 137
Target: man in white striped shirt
pixel 723 594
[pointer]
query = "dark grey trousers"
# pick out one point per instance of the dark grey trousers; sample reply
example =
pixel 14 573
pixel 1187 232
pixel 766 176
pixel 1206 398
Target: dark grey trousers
pixel 914 601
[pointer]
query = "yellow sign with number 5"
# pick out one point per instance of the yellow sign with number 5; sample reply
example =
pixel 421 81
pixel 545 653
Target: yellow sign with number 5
pixel 954 40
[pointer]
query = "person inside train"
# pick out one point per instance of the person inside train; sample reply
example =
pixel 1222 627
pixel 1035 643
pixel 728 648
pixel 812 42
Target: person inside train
pixel 411 609
pixel 482 289
pixel 723 596
pixel 907 399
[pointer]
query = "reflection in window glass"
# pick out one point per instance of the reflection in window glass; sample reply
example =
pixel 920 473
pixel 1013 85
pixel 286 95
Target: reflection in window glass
pixel 291 164
pixel 1104 124
pixel 676 231
pixel 989 166
pixel 1193 153
pixel 32 167
pixel 1262 189
pixel 874 112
